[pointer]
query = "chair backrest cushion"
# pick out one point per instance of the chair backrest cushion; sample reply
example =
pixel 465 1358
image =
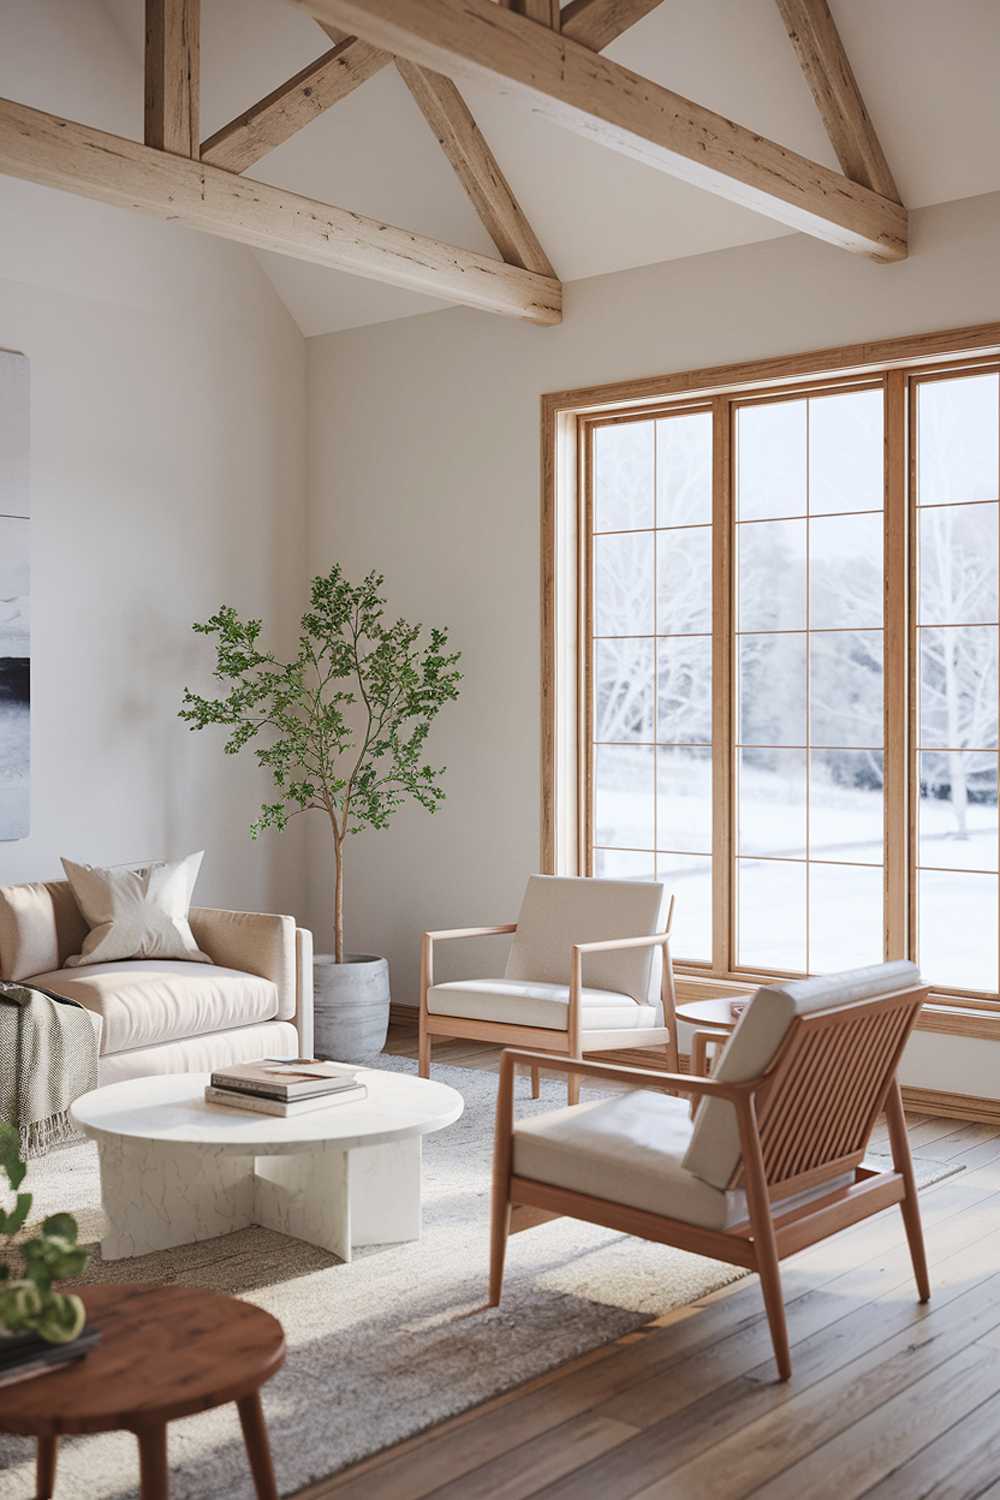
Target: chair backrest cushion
pixel 40 927
pixel 714 1152
pixel 558 911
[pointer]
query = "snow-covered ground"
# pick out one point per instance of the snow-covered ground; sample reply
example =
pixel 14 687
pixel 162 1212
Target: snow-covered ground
pixel 839 899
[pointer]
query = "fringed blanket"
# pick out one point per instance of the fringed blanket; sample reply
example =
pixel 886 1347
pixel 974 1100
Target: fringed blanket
pixel 48 1058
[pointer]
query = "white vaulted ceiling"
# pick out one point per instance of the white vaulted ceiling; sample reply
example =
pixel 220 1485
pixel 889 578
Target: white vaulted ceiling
pixel 927 70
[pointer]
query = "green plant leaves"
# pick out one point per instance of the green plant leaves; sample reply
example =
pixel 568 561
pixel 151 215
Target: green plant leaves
pixel 28 1303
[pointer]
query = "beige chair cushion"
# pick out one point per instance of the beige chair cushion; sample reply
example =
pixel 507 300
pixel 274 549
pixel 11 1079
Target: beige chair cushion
pixel 714 1151
pixel 40 926
pixel 559 911
pixel 160 1000
pixel 630 1150
pixel 546 1005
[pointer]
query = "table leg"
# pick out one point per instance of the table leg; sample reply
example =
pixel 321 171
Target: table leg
pixel 154 1479
pixel 45 1467
pixel 157 1195
pixel 258 1448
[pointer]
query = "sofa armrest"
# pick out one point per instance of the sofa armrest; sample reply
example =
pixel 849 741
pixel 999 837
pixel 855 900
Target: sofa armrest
pixel 253 942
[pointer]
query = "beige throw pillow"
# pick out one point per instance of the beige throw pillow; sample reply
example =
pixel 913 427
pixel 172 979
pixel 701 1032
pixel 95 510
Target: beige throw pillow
pixel 136 913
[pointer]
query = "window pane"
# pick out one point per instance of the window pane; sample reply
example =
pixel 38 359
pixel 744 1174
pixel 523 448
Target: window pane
pixel 771 460
pixel 623 689
pixel 846 814
pixel 957 439
pixel 958 810
pixel 684 469
pixel 684 800
pixel 623 797
pixel 958 930
pixel 772 915
pixel 845 571
pixel 684 690
pixel 845 688
pixel 958 565
pixel 845 918
pixel 624 864
pixel 772 803
pixel 846 470
pixel 772 575
pixel 772 689
pixel 689 878
pixel 958 688
pixel 623 476
pixel 684 581
pixel 623 584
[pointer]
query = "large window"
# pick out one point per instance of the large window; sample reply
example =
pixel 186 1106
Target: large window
pixel 787 628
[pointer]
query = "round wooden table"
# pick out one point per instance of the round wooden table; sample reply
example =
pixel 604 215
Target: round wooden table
pixel 165 1352
pixel 713 1022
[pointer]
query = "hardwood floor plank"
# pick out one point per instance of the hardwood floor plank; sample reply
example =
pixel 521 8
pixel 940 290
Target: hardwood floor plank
pixel 538 1464
pixel 959 1465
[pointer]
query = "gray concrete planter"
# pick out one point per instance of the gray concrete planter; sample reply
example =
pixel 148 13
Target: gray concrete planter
pixel 352 1006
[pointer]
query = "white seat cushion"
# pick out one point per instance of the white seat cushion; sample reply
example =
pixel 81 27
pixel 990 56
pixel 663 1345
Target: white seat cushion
pixel 627 1150
pixel 523 1003
pixel 146 1001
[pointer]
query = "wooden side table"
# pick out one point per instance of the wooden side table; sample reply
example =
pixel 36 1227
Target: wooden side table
pixel 713 1022
pixel 166 1352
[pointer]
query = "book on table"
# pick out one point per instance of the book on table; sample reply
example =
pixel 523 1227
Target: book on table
pixel 286 1080
pixel 24 1356
pixel 284 1108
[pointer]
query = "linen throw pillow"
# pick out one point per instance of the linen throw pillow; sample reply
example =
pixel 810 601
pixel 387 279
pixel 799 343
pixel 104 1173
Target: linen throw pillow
pixel 136 913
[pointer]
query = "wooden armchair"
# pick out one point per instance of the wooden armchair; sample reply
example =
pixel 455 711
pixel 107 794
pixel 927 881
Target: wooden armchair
pixel 614 933
pixel 773 1160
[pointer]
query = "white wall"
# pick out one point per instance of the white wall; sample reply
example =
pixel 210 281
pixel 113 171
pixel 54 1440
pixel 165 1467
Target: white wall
pixel 424 445
pixel 167 475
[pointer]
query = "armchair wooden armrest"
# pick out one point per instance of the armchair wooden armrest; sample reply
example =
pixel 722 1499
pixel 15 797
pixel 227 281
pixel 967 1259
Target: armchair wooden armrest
pixel 611 945
pixel 671 1083
pixel 467 932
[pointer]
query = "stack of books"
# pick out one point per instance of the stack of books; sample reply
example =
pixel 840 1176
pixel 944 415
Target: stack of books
pixel 286 1088
pixel 25 1355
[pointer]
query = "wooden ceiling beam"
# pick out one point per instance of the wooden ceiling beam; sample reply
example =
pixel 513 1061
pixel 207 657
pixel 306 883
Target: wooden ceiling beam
pixel 59 153
pixel 615 107
pixel 172 76
pixel 546 12
pixel 478 170
pixel 814 35
pixel 596 23
pixel 287 109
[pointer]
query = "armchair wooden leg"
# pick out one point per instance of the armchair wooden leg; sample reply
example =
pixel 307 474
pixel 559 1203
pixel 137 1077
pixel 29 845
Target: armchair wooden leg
pixel 502 1162
pixel 573 1089
pixel 909 1206
pixel 765 1242
pixel 424 1051
pixel 536 1084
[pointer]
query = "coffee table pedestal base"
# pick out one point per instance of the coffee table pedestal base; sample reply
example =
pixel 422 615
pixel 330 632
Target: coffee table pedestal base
pixel 157 1195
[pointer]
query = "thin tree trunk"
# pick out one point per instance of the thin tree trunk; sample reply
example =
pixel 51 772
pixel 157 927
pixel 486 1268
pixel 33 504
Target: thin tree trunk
pixel 338 902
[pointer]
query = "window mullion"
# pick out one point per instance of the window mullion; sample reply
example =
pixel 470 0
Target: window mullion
pixel 896 622
pixel 723 655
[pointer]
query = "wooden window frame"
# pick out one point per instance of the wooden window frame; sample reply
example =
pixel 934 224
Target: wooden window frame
pixel 568 419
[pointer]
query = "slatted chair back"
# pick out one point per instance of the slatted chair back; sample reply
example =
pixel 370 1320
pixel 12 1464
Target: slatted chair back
pixel 827 1087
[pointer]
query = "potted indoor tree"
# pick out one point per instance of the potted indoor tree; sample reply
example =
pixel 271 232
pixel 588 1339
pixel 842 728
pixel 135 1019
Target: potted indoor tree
pixel 341 728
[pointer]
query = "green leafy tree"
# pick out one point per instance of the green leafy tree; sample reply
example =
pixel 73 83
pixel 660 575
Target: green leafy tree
pixel 342 726
pixel 27 1303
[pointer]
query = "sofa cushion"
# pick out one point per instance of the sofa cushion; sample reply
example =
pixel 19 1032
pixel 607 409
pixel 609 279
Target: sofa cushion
pixel 147 1001
pixel 714 1153
pixel 202 1054
pixel 526 1004
pixel 40 926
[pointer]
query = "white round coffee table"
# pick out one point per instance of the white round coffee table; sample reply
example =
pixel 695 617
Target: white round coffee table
pixel 175 1169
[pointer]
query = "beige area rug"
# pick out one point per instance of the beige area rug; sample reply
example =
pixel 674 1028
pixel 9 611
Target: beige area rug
pixel 390 1344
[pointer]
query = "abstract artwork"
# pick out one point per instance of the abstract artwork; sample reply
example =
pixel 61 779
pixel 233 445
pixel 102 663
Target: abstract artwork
pixel 15 641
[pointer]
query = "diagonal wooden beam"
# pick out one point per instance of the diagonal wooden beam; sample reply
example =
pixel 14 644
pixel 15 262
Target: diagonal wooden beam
pixel 478 170
pixel 544 11
pixel 596 23
pixel 172 75
pixel 63 154
pixel 284 112
pixel 828 71
pixel 614 107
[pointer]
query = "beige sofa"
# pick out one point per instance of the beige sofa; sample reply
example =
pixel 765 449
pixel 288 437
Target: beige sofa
pixel 160 1016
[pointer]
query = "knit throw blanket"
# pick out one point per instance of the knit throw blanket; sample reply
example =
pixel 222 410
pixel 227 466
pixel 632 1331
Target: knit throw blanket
pixel 48 1058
